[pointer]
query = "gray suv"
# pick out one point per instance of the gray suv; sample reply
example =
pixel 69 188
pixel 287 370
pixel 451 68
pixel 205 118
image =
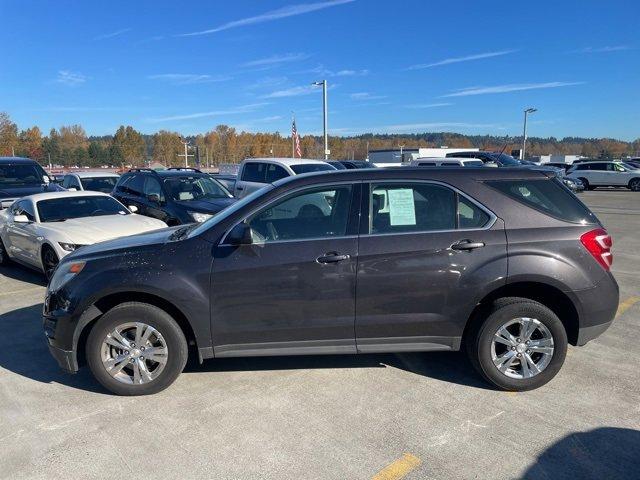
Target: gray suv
pixel 505 263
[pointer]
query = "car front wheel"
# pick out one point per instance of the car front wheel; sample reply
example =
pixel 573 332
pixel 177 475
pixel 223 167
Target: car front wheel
pixel 520 346
pixel 634 185
pixel 4 256
pixel 136 349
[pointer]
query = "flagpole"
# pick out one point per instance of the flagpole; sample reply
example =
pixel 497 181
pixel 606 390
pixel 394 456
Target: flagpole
pixel 293 140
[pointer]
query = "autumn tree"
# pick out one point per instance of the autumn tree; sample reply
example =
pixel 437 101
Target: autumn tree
pixel 31 144
pixel 8 135
pixel 166 147
pixel 129 146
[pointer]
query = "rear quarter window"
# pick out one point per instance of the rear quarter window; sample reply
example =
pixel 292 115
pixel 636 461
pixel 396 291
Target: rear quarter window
pixel 547 196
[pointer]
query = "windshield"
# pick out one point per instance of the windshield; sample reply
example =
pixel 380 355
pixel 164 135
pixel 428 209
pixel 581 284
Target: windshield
pixel 64 208
pixel 218 217
pixel 630 166
pixel 311 167
pixel 21 174
pixel 99 184
pixel 507 160
pixel 189 188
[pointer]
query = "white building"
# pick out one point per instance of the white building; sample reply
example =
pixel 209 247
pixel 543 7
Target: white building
pixel 568 159
pixel 397 156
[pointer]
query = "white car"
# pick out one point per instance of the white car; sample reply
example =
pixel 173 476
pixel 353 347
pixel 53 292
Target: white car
pixel 446 162
pixel 38 230
pixel 606 174
pixel 94 181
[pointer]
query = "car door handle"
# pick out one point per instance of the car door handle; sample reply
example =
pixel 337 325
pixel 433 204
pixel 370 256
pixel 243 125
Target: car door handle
pixel 239 188
pixel 332 257
pixel 467 245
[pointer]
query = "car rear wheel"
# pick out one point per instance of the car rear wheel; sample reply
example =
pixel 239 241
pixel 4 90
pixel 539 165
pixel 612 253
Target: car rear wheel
pixel 520 346
pixel 136 349
pixel 49 261
pixel 4 256
pixel 634 185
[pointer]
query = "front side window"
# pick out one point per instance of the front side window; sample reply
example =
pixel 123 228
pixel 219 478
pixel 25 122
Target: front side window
pixel 64 208
pixel 275 172
pixel 152 187
pixel 254 172
pixel 317 213
pixel 189 188
pixel 99 184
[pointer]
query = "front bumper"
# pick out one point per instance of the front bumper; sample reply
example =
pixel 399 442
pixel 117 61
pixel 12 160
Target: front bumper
pixel 67 359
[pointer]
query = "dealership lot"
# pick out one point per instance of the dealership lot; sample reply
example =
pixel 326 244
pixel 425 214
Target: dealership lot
pixel 329 417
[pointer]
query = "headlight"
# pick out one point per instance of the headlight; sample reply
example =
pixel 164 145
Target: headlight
pixel 64 272
pixel 200 217
pixel 68 247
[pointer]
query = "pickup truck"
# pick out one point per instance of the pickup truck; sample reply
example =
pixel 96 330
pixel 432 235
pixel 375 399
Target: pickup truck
pixel 255 173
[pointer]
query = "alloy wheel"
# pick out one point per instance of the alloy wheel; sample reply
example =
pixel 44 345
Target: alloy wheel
pixel 635 185
pixel 134 353
pixel 522 348
pixel 49 261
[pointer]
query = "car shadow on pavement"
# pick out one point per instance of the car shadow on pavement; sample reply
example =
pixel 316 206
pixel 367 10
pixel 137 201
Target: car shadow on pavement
pixel 23 274
pixel 450 367
pixel 603 453
pixel 24 351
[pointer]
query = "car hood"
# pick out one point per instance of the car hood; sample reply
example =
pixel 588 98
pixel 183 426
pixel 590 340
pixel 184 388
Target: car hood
pixel 210 205
pixel 125 244
pixel 89 230
pixel 24 190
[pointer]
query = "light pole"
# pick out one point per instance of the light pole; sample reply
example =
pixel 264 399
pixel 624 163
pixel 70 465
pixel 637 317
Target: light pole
pixel 324 116
pixel 524 133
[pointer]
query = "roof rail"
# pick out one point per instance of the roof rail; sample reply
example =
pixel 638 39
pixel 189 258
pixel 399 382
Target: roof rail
pixel 185 169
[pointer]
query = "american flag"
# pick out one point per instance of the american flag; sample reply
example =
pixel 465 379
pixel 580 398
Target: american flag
pixel 296 139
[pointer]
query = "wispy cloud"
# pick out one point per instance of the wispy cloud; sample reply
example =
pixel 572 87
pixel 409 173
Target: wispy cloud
pixel 188 78
pixel 112 34
pixel 284 12
pixel 272 118
pixel 366 96
pixel 515 87
pixel 291 92
pixel 428 105
pixel 215 113
pixel 418 127
pixel 468 58
pixel 69 78
pixel 613 48
pixel 276 59
pixel 321 70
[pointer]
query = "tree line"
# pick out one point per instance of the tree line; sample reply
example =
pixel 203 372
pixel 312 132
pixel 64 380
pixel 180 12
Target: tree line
pixel 70 145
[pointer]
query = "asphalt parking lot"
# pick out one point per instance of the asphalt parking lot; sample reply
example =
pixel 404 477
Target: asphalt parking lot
pixel 413 416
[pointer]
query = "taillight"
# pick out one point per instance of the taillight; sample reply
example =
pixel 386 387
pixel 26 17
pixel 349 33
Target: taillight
pixel 598 242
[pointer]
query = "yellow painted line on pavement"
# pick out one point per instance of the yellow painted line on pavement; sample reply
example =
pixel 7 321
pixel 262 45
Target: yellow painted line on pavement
pixel 398 469
pixel 627 304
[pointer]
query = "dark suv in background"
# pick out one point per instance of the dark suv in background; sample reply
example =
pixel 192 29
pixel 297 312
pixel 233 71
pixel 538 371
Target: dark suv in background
pixel 503 262
pixel 175 196
pixel 20 177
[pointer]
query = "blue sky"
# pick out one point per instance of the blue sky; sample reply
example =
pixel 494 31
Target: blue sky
pixel 392 66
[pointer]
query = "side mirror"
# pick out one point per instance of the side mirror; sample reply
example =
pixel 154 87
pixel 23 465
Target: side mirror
pixel 240 235
pixel 154 197
pixel 133 208
pixel 46 179
pixel 72 189
pixel 21 219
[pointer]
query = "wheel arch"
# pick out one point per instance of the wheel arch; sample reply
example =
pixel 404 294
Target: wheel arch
pixel 551 297
pixel 632 180
pixel 106 303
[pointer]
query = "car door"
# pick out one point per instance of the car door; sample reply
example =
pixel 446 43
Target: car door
pixel 132 192
pixel 425 253
pixel 293 290
pixel 598 174
pixel 22 236
pixel 619 175
pixel 152 190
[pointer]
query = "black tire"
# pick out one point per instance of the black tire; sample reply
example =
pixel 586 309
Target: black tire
pixel 634 185
pixel 156 318
pixel 479 339
pixel 50 261
pixel 585 182
pixel 4 256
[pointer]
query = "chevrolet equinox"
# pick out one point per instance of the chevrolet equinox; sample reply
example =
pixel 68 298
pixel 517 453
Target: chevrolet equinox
pixel 505 263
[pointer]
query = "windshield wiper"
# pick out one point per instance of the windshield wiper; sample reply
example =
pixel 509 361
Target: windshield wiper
pixel 55 220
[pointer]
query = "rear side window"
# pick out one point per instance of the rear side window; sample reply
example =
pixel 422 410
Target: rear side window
pixel 254 172
pixel 547 196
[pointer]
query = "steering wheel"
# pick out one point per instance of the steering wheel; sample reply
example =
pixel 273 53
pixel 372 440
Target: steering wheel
pixel 272 231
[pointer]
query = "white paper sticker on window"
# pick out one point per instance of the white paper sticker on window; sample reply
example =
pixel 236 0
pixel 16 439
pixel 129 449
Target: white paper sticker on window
pixel 402 210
